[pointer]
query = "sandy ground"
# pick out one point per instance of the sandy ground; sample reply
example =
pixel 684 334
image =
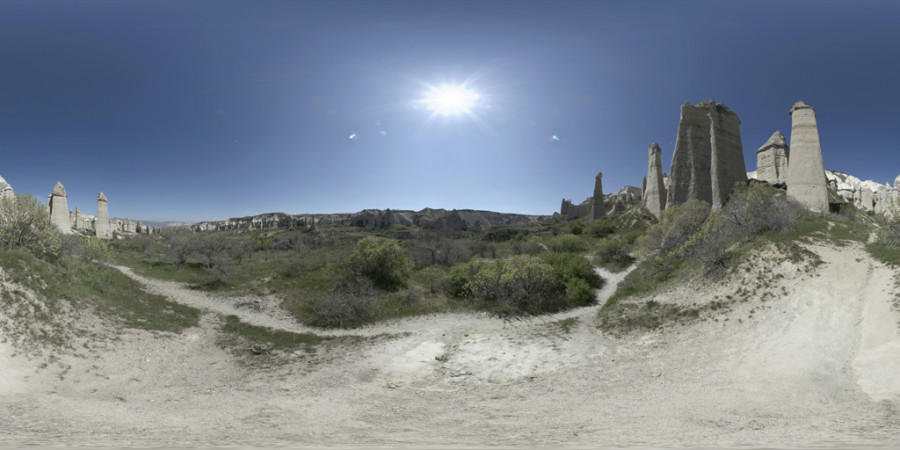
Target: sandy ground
pixel 814 362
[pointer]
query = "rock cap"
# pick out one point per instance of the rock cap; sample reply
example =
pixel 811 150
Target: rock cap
pixel 776 140
pixel 59 190
pixel 101 197
pixel 654 148
pixel 800 105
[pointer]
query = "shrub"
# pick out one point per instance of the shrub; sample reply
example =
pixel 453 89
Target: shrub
pixel 602 228
pixel 578 293
pixel 567 243
pixel 889 234
pixel 25 223
pixel 568 266
pixel 676 226
pixel 615 252
pixel 348 306
pixel 577 227
pixel 380 260
pixel 521 285
pixel 756 208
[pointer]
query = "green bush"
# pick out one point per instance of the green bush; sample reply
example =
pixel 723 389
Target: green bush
pixel 521 285
pixel 615 253
pixel 380 260
pixel 602 228
pixel 568 266
pixel 676 226
pixel 567 243
pixel 25 223
pixel 578 293
pixel 577 227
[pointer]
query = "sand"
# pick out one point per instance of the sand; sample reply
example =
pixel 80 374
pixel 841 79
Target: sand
pixel 816 363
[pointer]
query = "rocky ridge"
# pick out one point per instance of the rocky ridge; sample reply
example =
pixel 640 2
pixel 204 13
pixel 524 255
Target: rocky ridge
pixel 428 218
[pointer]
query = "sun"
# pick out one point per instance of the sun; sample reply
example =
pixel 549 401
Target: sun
pixel 451 100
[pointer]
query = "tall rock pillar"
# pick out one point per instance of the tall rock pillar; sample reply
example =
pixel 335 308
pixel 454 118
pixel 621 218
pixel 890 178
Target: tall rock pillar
pixel 598 209
pixel 101 222
pixel 806 179
pixel 59 208
pixel 708 158
pixel 654 195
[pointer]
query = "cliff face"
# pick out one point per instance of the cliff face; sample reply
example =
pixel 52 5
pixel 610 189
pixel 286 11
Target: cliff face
pixel 435 219
pixel 708 157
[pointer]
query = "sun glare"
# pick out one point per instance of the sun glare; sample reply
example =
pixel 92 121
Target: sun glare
pixel 450 100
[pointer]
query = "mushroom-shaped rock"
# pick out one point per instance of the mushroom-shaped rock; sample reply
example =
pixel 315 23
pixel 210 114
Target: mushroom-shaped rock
pixel 59 209
pixel 59 190
pixel 772 160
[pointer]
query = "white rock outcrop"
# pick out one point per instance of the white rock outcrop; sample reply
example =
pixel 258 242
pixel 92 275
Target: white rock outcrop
pixel 6 191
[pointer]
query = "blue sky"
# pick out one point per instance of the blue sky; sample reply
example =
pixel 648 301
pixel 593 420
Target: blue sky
pixel 203 110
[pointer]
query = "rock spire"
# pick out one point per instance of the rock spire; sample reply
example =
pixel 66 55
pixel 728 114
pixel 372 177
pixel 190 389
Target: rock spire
pixel 598 209
pixel 59 208
pixel 772 160
pixel 654 193
pixel 708 158
pixel 806 179
pixel 101 222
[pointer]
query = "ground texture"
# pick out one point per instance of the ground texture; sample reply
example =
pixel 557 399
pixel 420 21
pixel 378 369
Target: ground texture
pixel 813 362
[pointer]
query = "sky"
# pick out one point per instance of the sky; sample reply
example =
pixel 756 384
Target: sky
pixel 205 110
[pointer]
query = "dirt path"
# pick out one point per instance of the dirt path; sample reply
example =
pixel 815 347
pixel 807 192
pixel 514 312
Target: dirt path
pixel 265 311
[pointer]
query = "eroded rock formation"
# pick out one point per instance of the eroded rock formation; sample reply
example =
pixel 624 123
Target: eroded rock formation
pixel 866 195
pixel 654 194
pixel 598 209
pixel 772 160
pixel 806 177
pixel 101 223
pixel 6 191
pixel 59 208
pixel 708 158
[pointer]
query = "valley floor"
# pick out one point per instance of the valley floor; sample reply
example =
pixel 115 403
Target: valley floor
pixel 815 365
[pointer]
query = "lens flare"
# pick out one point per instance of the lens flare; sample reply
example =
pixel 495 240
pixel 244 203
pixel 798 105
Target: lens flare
pixel 450 100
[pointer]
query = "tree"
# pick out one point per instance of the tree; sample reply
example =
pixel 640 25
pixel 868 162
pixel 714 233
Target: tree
pixel 25 223
pixel 264 240
pixel 380 260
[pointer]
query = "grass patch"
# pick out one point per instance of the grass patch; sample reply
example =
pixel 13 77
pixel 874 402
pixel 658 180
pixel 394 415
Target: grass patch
pixel 108 292
pixel 884 253
pixel 624 316
pixel 263 340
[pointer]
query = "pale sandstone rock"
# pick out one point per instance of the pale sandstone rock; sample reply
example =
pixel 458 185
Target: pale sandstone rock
pixel 654 193
pixel 708 158
pixel 772 160
pixel 598 209
pixel 59 209
pixel 101 223
pixel 806 177
pixel 6 191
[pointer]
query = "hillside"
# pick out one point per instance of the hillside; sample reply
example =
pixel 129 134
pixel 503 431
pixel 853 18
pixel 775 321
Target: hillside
pixel 805 358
